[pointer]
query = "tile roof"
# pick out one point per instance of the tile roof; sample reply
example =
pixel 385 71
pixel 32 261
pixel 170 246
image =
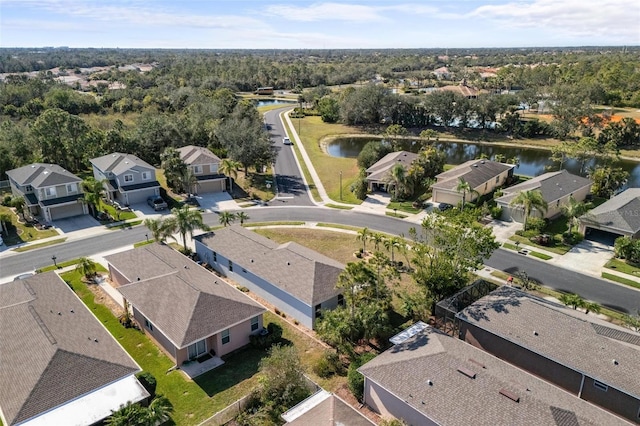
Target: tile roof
pixel 304 273
pixel 40 175
pixel 621 213
pixel 571 340
pixel 552 185
pixel 118 163
pixel 431 373
pixel 475 172
pixel 380 168
pixel 181 298
pixel 193 155
pixel 53 350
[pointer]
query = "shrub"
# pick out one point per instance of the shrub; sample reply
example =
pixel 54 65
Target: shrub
pixel 6 201
pixel 148 381
pixel 527 234
pixel 277 311
pixel 573 238
pixel 265 341
pixel 328 365
pixel 355 380
pixel 243 289
pixel 536 224
pixel 125 320
pixel 496 212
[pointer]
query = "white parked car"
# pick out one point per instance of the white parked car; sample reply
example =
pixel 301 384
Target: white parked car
pixel 286 141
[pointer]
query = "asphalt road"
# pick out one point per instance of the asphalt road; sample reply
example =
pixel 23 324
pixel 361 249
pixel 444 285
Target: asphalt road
pixel 290 184
pixel 615 296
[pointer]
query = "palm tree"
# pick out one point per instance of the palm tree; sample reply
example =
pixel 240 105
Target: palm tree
pixel 377 239
pixel 227 218
pixel 86 267
pixel 189 181
pixel 159 229
pixel 93 190
pixel 396 179
pixel 185 221
pixel 156 413
pixel 530 200
pixel 5 220
pixel 126 415
pixel 592 307
pixel 572 211
pixel 363 235
pixel 464 187
pixel 19 204
pixel 242 216
pixel 159 410
pixel 390 244
pixel 230 168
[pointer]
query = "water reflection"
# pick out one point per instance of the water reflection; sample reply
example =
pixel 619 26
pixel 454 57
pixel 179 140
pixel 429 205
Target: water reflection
pixel 532 161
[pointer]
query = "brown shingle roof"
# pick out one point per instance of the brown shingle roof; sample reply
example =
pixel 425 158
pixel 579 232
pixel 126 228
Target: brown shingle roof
pixel 304 273
pixel 378 171
pixel 332 411
pixel 475 172
pixel 52 349
pixel 192 155
pixel 118 163
pixel 569 340
pixel 181 298
pixel 552 185
pixel 456 399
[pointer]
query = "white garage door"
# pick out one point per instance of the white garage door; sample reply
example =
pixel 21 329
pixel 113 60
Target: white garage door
pixel 66 211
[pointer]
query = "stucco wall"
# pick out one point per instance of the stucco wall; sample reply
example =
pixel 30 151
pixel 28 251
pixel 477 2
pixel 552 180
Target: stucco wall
pixel 612 399
pixel 156 335
pixel 117 277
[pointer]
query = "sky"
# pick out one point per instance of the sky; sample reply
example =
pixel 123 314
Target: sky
pixel 302 24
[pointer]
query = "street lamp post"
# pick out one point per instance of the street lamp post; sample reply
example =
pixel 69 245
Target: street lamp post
pixel 54 258
pixel 147 237
pixel 340 185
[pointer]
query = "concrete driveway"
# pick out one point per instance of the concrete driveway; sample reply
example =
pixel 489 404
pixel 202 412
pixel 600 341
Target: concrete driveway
pixel 587 256
pixel 503 230
pixel 217 201
pixel 77 223
pixel 375 202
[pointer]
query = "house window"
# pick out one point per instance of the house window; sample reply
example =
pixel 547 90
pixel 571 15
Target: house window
pixel 51 192
pixel 128 178
pixel 230 266
pixel 215 257
pixel 213 167
pixel 148 324
pixel 145 176
pixel 72 188
pixel 600 385
pixel 318 310
pixel 197 170
pixel 497 179
pixel 558 203
pixel 226 338
pixel 197 349
pixel 28 188
pixel 254 323
pixel 340 300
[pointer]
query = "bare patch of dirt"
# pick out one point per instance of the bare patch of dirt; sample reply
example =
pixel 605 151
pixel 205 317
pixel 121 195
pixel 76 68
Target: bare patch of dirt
pixel 344 393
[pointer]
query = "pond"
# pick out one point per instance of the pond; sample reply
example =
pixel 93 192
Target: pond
pixel 269 102
pixel 532 161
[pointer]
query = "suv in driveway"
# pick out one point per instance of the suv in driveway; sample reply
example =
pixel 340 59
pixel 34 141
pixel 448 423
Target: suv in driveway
pixel 157 202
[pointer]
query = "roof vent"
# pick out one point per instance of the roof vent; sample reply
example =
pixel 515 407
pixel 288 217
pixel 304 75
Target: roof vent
pixel 251 260
pixel 138 278
pixel 71 311
pixel 475 165
pixel 535 333
pixel 469 373
pixel 615 362
pixel 33 166
pixel 95 340
pixel 482 162
pixel 478 363
pixel 186 267
pixel 429 382
pixel 288 263
pixel 512 396
pixel 59 313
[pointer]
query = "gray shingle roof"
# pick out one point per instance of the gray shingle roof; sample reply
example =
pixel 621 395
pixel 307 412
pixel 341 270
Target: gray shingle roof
pixel 475 172
pixel 192 155
pixel 304 273
pixel 181 298
pixel 118 163
pixel 40 175
pixel 456 399
pixel 621 213
pixel 333 411
pixel 552 185
pixel 568 339
pixel 48 349
pixel 378 171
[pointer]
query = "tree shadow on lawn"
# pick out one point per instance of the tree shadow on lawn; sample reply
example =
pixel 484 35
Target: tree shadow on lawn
pixel 238 366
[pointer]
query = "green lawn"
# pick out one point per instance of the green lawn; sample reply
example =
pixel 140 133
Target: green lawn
pixel 60 265
pixel 558 248
pixel 630 283
pixel 531 252
pixel 396 214
pixel 405 206
pixel 21 232
pixel 338 206
pixel 40 245
pixel 624 267
pixel 117 214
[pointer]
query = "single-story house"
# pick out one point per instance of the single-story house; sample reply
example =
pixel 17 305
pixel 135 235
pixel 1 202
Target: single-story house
pixel 58 364
pixel 619 216
pixel 324 408
pixel 48 190
pixel 297 280
pixel 186 309
pixel 129 179
pixel 483 176
pixel 592 359
pixel 556 189
pixel 431 378
pixel 205 167
pixel 377 174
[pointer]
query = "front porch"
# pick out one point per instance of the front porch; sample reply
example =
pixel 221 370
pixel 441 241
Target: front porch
pixel 193 369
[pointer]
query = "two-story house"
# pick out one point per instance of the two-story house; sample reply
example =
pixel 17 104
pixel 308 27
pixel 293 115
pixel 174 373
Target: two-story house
pixel 48 190
pixel 205 167
pixel 129 180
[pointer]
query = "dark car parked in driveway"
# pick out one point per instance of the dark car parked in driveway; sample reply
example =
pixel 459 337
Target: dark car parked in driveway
pixel 157 202
pixel 444 206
